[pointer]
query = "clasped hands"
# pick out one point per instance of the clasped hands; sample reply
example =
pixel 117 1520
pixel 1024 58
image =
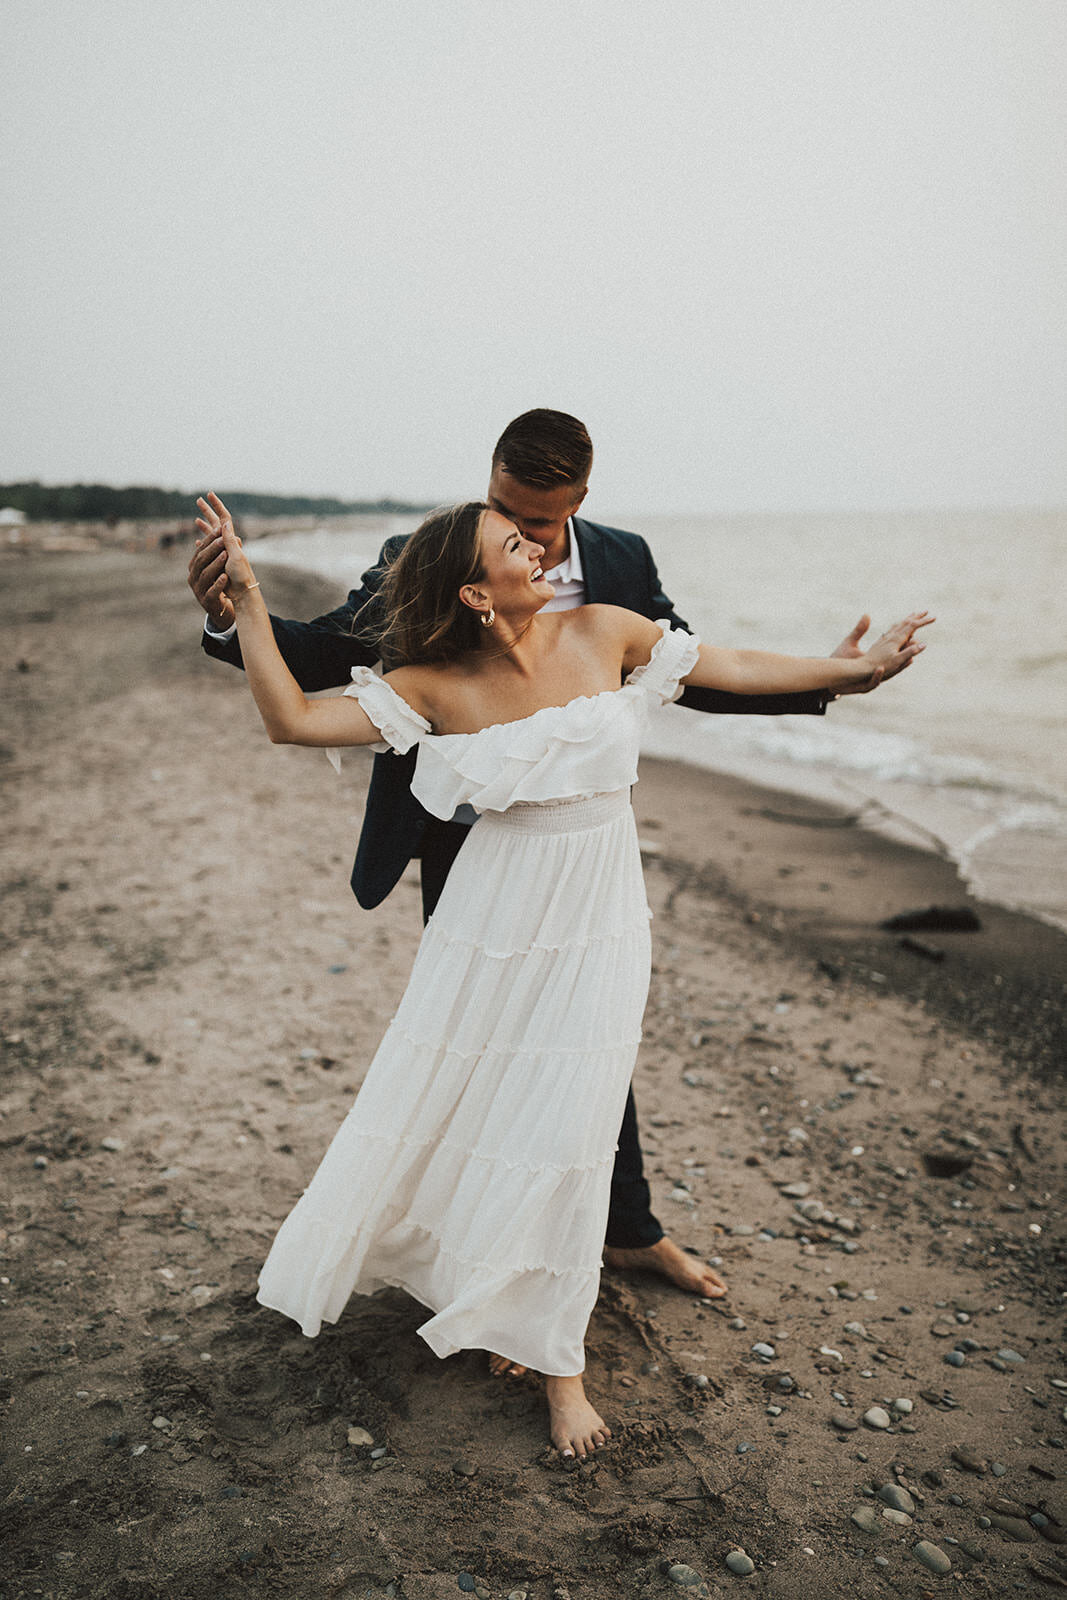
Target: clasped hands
pixel 219 572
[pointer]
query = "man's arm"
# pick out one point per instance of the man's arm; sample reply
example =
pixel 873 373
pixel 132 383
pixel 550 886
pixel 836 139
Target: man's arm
pixel 811 703
pixel 320 654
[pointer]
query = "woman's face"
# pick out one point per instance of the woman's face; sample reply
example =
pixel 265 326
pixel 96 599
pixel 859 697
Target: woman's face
pixel 513 577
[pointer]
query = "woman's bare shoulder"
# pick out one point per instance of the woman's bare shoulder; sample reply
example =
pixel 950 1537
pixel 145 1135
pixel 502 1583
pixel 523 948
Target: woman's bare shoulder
pixel 423 687
pixel 605 620
pixel 628 629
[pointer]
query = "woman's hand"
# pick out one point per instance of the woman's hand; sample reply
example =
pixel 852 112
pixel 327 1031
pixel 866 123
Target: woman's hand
pixel 237 577
pixel 895 650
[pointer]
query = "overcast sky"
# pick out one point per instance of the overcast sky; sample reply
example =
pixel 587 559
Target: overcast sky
pixel 778 254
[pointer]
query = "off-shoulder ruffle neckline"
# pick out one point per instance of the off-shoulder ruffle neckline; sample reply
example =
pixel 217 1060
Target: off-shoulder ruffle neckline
pixel 632 681
pixel 517 722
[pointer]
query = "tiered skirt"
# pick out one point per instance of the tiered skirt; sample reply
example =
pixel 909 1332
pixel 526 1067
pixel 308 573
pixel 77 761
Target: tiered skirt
pixel 474 1167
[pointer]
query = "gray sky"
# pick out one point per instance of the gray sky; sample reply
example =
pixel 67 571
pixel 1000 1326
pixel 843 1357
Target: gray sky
pixel 778 254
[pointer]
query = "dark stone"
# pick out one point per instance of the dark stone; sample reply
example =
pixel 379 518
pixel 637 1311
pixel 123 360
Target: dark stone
pixel 934 919
pixel 946 1163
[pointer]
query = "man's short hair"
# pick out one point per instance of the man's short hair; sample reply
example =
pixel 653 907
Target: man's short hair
pixel 544 449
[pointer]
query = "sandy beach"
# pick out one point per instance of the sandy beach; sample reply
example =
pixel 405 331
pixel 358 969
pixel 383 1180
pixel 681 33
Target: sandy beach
pixel 867 1133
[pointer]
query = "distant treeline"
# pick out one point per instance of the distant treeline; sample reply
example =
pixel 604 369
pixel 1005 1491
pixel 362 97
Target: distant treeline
pixel 99 502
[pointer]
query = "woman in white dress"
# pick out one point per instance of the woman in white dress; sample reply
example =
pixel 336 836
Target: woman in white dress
pixel 474 1168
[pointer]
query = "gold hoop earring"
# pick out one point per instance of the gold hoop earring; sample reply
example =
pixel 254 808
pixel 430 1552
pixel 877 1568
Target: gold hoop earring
pixel 487 618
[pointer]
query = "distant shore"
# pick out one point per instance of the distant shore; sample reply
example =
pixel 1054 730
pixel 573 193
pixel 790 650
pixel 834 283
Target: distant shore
pixel 138 535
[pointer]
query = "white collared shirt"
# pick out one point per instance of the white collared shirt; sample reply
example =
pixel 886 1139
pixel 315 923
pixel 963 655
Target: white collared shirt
pixel 567 579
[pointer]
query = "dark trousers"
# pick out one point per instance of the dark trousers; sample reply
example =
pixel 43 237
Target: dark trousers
pixel 631 1224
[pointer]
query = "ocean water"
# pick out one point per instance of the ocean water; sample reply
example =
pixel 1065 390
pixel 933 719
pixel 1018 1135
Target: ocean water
pixel 964 753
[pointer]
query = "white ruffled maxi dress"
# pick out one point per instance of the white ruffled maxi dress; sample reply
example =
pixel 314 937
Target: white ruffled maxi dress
pixel 474 1167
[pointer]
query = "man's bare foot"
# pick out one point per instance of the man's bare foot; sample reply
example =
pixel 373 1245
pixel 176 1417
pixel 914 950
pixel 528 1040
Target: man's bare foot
pixel 664 1257
pixel 575 1427
pixel 501 1367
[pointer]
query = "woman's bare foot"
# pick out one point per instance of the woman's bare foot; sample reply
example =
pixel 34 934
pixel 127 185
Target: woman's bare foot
pixel 575 1427
pixel 501 1367
pixel 664 1257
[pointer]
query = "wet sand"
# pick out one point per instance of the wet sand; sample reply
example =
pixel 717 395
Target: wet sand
pixel 190 997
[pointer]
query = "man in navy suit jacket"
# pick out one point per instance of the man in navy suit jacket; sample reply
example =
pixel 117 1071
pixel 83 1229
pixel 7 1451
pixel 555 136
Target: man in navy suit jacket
pixel 539 479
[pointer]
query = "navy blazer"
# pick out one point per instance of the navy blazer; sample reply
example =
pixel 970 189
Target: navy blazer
pixel 618 569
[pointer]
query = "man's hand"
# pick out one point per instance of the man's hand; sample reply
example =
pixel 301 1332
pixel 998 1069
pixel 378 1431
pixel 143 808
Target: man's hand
pixel 207 579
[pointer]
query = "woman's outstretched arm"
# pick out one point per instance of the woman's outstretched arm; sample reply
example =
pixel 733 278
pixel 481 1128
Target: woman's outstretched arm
pixel 288 715
pixel 763 672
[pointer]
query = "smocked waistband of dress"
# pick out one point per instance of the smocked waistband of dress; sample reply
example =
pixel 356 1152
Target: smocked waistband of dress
pixel 561 816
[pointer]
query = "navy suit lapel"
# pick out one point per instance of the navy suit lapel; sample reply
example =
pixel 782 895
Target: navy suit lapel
pixel 594 564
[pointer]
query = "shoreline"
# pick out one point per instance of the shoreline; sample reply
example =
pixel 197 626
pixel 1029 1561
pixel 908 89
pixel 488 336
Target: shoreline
pixel 975 767
pixel 1002 859
pixel 814 878
pixel 868 1141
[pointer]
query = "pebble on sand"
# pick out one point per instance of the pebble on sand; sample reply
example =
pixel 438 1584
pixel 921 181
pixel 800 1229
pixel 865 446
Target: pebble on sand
pixel 359 1436
pixel 891 1494
pixel 865 1517
pixel 683 1575
pixel 1015 1527
pixel 932 1557
pixel 876 1417
pixel 740 1563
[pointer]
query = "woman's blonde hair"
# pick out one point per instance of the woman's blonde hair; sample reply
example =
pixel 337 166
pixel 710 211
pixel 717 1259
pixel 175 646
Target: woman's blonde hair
pixel 425 619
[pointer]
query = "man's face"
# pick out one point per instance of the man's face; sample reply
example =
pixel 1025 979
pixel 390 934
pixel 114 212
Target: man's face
pixel 541 514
